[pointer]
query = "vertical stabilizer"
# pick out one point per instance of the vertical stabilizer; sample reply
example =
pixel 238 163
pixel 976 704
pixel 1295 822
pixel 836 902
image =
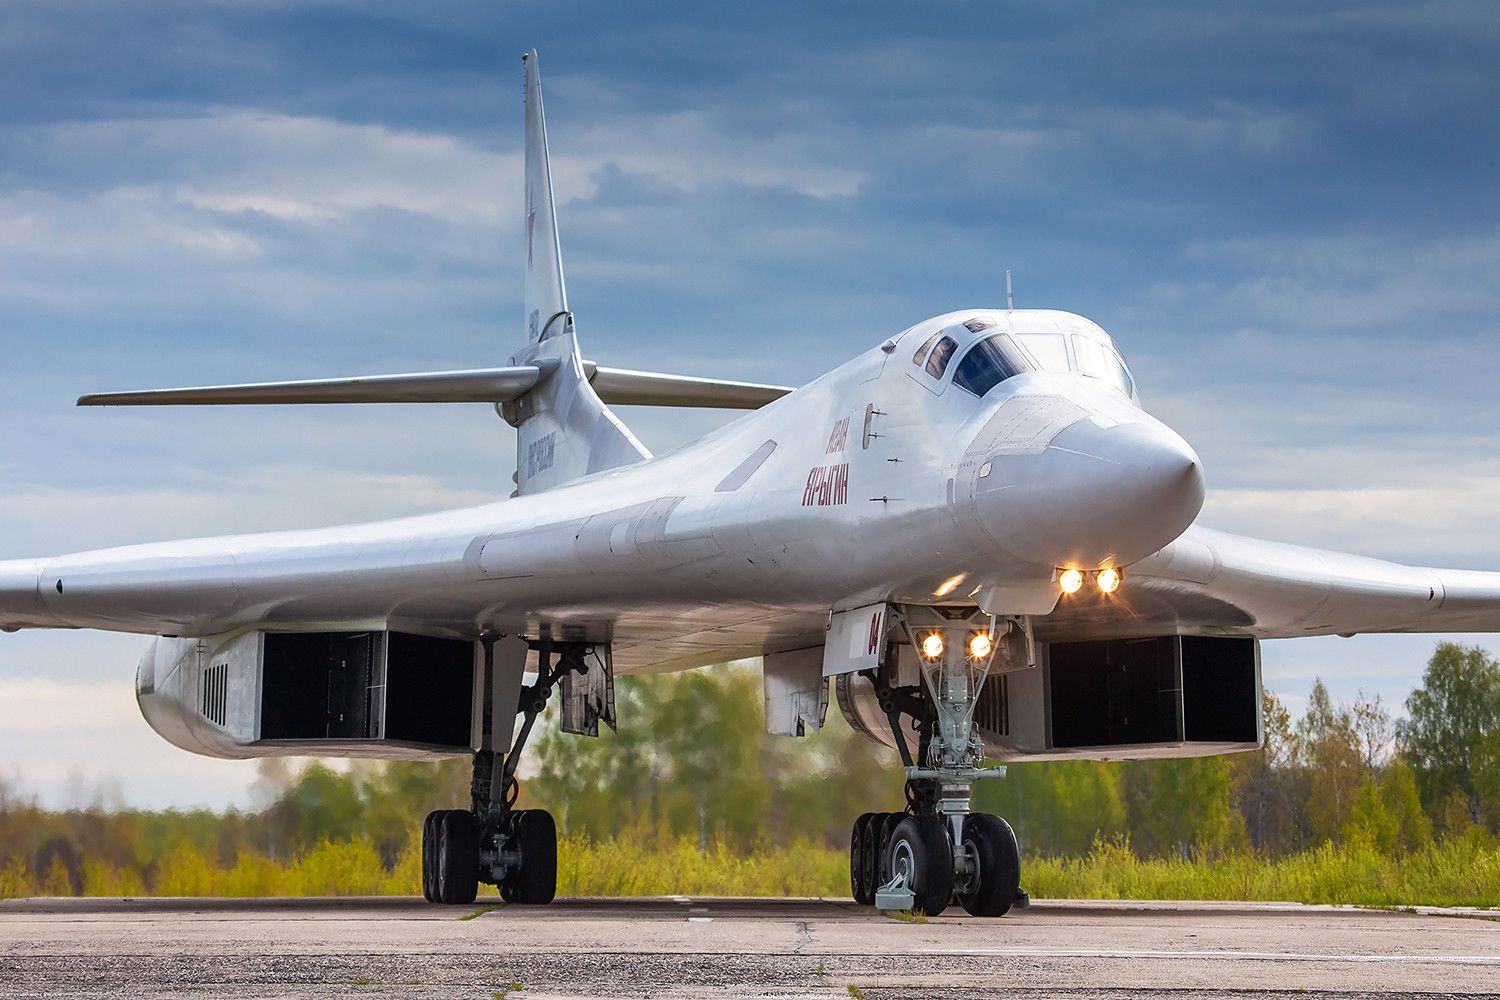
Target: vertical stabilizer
pixel 564 430
pixel 546 294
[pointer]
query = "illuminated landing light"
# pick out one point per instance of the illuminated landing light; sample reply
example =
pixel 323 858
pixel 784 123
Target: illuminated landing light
pixel 980 646
pixel 1108 580
pixel 946 587
pixel 1070 580
pixel 933 645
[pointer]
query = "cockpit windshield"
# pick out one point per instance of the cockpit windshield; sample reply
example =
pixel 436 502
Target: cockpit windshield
pixel 979 353
pixel 1099 360
pixel 1049 349
pixel 990 362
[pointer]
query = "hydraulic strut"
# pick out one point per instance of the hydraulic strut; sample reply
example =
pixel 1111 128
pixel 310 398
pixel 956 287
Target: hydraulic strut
pixel 494 788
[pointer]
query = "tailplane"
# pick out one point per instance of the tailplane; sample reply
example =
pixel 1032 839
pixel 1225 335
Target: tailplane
pixel 551 395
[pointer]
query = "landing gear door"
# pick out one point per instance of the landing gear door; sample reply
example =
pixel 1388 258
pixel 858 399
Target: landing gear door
pixel 856 640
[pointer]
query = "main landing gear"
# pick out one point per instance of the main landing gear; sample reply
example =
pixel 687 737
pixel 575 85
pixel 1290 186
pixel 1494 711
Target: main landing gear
pixel 493 842
pixel 938 852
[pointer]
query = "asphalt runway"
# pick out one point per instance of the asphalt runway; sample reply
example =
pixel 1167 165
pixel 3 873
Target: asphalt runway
pixel 682 947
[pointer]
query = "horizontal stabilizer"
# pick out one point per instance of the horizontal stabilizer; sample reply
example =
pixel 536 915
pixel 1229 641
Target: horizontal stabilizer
pixel 631 388
pixel 478 385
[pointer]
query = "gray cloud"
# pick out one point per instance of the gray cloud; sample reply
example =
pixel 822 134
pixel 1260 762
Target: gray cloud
pixel 1287 216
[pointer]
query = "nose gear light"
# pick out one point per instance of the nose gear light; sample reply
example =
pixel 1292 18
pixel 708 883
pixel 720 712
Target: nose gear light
pixel 932 645
pixel 1070 580
pixel 1108 580
pixel 980 646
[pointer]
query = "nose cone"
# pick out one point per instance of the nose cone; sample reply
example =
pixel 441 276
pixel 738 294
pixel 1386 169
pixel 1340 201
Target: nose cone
pixel 1097 495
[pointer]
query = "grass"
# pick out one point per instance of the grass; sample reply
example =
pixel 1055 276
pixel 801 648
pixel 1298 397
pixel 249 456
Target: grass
pixel 1463 871
pixel 1458 872
pixel 905 916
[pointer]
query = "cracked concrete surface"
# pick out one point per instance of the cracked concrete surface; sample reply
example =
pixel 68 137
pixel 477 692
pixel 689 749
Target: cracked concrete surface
pixel 701 947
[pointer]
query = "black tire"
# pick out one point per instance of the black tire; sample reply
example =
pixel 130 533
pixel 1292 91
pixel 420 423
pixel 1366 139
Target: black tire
pixel 429 856
pixel 888 824
pixel 458 857
pixel 858 887
pixel 869 855
pixel 920 847
pixel 535 882
pixel 992 843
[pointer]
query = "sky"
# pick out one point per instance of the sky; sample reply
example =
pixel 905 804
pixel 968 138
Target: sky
pixel 1286 213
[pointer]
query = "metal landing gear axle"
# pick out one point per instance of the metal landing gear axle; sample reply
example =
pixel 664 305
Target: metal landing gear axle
pixel 939 852
pixel 493 842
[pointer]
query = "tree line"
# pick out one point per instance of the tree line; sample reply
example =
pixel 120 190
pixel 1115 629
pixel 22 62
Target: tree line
pixel 691 762
pixel 691 758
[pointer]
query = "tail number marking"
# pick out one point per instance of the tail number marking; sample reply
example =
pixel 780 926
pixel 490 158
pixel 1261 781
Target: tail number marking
pixel 539 454
pixel 877 632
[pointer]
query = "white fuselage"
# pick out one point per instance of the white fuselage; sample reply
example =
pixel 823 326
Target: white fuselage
pixel 876 481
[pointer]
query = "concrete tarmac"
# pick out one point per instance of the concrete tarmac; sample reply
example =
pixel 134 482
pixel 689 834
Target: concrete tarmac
pixel 691 948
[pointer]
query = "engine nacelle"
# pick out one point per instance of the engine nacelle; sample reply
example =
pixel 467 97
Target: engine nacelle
pixel 390 695
pixel 1119 699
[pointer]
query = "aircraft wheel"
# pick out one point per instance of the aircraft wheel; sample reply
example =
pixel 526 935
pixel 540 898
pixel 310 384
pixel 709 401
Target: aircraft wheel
pixel 535 881
pixel 920 850
pixel 888 824
pixel 429 856
pixel 869 855
pixel 992 844
pixel 859 886
pixel 457 856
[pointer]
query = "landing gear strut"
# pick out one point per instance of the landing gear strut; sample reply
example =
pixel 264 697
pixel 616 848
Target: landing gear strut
pixel 938 852
pixel 493 842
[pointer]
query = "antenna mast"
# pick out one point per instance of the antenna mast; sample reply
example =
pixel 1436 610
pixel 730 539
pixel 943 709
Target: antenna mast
pixel 1010 297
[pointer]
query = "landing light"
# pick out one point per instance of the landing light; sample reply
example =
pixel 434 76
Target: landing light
pixel 932 645
pixel 980 646
pixel 947 586
pixel 1108 580
pixel 1070 580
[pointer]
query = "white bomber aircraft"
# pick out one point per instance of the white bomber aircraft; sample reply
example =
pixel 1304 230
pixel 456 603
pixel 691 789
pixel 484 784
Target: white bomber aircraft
pixel 973 529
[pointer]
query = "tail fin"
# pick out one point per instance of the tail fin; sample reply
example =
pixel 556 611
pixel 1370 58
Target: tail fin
pixel 546 293
pixel 565 430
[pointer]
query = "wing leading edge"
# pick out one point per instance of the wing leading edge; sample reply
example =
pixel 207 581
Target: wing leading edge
pixel 1215 583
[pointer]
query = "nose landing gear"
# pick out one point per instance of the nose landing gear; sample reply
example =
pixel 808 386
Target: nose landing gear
pixel 938 852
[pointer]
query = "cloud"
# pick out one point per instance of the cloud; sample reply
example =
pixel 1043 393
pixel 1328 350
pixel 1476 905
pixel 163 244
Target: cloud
pixel 33 705
pixel 49 520
pixel 1378 285
pixel 1451 522
pixel 75 743
pixel 1286 216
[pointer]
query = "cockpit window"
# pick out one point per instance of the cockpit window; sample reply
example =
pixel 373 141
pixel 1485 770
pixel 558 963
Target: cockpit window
pixel 988 363
pixel 978 324
pixel 937 361
pixel 1100 361
pixel 1049 349
pixel 916 359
